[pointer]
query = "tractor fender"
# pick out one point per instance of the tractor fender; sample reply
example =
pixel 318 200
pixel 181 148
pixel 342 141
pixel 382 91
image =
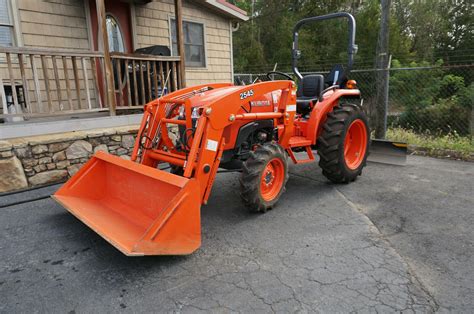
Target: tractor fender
pixel 322 108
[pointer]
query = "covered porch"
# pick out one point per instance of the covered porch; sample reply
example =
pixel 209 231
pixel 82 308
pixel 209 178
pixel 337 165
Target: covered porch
pixel 40 85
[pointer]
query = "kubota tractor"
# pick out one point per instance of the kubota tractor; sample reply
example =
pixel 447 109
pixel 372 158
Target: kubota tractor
pixel 256 129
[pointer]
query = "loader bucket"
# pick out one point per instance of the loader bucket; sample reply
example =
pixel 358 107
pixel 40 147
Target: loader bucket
pixel 138 209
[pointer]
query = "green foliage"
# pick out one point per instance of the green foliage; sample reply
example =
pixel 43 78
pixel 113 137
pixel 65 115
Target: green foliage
pixel 414 89
pixel 451 141
pixel 456 29
pixel 466 96
pixel 431 100
pixel 451 85
pixel 419 30
pixel 253 54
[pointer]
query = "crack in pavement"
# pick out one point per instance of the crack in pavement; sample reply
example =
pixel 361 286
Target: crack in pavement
pixel 413 276
pixel 383 237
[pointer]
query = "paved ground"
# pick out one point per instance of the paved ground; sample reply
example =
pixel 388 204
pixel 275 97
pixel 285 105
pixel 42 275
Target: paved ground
pixel 426 211
pixel 317 251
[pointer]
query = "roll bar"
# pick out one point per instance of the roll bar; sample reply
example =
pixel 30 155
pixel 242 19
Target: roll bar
pixel 352 49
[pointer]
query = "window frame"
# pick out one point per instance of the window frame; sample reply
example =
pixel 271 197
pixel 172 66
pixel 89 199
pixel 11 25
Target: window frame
pixel 108 14
pixel 190 20
pixel 12 9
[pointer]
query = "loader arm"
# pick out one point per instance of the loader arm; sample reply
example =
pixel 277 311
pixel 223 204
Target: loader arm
pixel 220 108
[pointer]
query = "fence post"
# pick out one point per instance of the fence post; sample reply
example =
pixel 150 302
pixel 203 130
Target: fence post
pixel 382 72
pixel 472 124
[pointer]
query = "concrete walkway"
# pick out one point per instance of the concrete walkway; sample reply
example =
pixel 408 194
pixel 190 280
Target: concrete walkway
pixel 316 251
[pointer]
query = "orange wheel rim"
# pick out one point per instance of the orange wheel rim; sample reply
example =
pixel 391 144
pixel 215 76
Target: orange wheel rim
pixel 355 144
pixel 272 179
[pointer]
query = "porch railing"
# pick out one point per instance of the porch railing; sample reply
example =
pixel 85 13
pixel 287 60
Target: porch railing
pixel 140 78
pixel 47 83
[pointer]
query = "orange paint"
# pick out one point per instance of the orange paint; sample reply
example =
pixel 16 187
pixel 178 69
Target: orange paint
pixel 145 211
pixel 355 144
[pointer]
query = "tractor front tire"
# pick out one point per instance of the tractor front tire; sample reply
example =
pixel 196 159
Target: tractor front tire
pixel 264 176
pixel 344 143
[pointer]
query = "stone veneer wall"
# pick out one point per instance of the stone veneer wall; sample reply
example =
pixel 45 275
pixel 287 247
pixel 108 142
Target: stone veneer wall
pixel 39 160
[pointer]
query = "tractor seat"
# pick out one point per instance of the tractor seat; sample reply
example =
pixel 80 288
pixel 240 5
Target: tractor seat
pixel 309 89
pixel 337 76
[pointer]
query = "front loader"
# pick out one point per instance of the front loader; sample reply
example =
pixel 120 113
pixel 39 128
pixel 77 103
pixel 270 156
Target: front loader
pixel 256 129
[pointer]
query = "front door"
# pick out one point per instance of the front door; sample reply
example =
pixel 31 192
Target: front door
pixel 119 32
pixel 119 25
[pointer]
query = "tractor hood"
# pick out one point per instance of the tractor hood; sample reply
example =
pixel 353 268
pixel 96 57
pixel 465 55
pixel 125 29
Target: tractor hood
pixel 211 96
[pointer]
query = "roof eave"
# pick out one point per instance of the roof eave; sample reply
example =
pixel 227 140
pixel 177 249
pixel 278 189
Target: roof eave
pixel 227 9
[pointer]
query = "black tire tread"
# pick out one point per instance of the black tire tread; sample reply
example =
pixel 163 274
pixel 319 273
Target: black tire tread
pixel 331 142
pixel 252 169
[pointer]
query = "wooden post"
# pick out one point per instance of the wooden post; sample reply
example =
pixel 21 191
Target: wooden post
pixel 13 85
pixel 39 102
pixel 109 75
pixel 68 84
pixel 25 82
pixel 178 6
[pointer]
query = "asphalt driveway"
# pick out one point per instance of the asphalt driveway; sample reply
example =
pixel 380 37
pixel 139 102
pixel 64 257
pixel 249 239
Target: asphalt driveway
pixel 398 239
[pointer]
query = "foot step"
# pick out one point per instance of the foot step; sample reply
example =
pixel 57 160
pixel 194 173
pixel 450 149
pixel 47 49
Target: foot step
pixel 309 152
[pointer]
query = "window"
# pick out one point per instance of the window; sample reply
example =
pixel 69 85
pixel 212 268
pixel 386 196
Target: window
pixel 6 24
pixel 116 43
pixel 193 34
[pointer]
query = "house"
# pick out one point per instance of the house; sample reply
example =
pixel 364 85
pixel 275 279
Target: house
pixel 54 65
pixel 64 94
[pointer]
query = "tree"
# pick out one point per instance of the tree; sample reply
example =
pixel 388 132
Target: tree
pixel 266 39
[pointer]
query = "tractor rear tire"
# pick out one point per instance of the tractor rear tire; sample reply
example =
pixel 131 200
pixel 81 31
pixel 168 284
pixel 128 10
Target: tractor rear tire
pixel 344 143
pixel 264 176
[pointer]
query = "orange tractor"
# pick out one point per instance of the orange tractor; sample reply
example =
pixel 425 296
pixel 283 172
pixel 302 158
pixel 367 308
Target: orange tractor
pixel 256 129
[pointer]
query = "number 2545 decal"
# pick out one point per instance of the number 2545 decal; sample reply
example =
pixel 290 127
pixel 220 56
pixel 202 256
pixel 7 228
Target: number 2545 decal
pixel 246 94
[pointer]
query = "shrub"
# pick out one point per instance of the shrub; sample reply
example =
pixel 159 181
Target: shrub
pixel 451 141
pixel 431 100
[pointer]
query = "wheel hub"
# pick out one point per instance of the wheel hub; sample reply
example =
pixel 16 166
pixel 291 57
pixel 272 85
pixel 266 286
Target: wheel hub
pixel 355 144
pixel 269 178
pixel 273 177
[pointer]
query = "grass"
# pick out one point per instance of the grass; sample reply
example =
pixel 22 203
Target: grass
pixel 434 144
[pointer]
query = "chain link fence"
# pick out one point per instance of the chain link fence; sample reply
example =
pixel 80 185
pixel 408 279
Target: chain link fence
pixel 433 100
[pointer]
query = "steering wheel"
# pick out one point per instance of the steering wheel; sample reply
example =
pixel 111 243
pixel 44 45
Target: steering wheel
pixel 278 73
